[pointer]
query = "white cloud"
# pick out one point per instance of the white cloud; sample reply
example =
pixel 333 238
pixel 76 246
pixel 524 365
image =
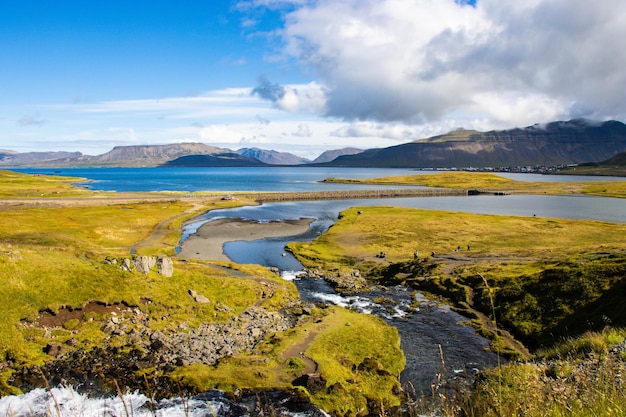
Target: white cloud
pixel 425 61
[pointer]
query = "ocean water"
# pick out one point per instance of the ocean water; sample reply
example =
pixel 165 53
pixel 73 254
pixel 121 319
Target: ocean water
pixel 219 179
pixel 275 178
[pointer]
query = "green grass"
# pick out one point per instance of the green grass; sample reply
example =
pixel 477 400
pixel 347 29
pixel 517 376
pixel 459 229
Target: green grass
pixel 488 182
pixel 573 386
pixel 14 184
pixel 549 277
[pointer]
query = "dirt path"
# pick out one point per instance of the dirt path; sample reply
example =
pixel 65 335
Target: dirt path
pixel 298 351
pixel 160 230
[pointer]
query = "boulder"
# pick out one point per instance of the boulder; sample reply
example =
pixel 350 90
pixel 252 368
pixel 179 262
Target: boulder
pixel 54 349
pixel 126 265
pixel 165 266
pixel 144 264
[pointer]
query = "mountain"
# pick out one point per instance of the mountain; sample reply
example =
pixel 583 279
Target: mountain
pixel 272 157
pixel 151 155
pixel 557 143
pixel 225 159
pixel 331 155
pixel 11 158
pixel 119 156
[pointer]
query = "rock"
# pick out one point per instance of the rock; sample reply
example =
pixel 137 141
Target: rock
pixel 165 266
pixel 201 299
pixel 144 264
pixel 54 349
pixel 223 308
pixel 126 265
pixel 312 382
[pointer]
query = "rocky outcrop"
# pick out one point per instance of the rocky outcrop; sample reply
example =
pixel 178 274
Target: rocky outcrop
pixel 345 283
pixel 144 264
pixel 161 350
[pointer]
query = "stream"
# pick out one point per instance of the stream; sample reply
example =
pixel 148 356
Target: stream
pixel 435 339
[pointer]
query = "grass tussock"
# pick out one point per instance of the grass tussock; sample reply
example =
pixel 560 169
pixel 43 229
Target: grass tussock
pixel 566 385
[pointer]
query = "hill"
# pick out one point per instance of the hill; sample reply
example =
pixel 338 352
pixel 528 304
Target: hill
pixel 615 166
pixel 224 159
pixel 557 143
pixel 331 155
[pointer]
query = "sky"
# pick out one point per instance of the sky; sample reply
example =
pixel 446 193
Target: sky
pixel 300 76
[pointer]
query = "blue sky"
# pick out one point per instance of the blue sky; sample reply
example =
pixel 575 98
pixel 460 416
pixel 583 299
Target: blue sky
pixel 300 76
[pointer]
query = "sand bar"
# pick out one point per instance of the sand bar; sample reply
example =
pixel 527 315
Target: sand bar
pixel 208 241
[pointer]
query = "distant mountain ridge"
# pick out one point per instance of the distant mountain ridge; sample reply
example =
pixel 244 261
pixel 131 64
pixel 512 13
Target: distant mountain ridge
pixel 17 159
pixel 557 143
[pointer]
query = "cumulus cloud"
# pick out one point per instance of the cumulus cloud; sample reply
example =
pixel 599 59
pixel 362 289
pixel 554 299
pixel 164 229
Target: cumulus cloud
pixel 303 99
pixel 423 61
pixel 304 131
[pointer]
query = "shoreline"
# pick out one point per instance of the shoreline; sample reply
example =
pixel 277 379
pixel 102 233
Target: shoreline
pixel 208 241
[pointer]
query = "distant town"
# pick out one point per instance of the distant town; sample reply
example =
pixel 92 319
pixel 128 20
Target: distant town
pixel 537 169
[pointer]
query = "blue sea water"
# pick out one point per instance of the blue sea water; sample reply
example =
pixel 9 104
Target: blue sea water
pixel 218 179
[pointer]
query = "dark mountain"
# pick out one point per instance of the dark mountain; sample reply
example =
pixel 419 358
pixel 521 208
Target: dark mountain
pixel 617 160
pixel 331 155
pixel 557 143
pixel 615 166
pixel 272 157
pixel 226 159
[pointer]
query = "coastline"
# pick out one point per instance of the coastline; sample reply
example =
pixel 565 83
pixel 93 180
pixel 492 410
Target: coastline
pixel 208 241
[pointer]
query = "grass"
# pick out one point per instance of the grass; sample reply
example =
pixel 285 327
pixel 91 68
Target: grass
pixel 14 184
pixel 362 232
pixel 558 285
pixel 574 385
pixel 488 182
pixel 550 277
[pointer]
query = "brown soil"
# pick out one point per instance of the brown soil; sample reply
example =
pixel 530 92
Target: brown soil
pixel 48 318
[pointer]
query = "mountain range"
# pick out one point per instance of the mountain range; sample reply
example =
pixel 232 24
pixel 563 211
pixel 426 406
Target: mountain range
pixel 558 143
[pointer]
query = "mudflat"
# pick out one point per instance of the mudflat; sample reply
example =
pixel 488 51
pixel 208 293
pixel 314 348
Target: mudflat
pixel 208 241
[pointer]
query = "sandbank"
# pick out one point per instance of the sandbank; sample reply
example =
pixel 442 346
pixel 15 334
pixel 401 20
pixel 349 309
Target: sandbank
pixel 208 241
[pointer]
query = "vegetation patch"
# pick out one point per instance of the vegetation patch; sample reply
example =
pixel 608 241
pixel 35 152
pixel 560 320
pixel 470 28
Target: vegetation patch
pixel 547 278
pixel 492 183
pixel 14 184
